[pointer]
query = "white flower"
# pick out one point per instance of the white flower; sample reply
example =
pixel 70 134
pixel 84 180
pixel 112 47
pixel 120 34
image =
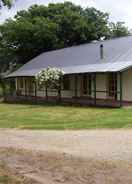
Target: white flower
pixel 50 76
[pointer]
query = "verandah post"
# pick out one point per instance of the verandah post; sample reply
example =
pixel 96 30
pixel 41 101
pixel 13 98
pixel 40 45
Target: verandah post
pixel 76 81
pixel 35 89
pixel 25 83
pixel 94 78
pixel 120 76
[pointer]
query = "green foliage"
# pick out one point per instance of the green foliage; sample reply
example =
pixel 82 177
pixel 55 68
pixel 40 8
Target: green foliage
pixel 25 39
pixel 118 30
pixel 43 28
pixel 7 3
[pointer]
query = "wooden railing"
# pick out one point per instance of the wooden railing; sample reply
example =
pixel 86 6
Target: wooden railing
pixel 62 98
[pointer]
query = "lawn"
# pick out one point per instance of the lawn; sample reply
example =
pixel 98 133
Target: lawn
pixel 63 117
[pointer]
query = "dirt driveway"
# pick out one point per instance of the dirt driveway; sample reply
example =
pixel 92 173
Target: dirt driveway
pixel 91 157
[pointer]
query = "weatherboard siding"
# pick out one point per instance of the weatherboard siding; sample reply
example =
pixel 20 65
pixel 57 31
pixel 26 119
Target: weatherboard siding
pixel 127 85
pixel 101 85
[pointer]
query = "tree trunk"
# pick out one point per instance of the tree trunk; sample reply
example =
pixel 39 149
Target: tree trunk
pixel 59 95
pixel 46 93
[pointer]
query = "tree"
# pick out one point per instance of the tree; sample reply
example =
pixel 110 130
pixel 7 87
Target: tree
pixel 98 22
pixel 50 78
pixel 4 63
pixel 75 24
pixel 7 3
pixel 24 40
pixel 118 30
pixel 44 28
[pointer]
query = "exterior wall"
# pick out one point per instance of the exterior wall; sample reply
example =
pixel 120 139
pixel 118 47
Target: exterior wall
pixel 69 93
pixel 127 85
pixel 25 86
pixel 20 89
pixel 101 85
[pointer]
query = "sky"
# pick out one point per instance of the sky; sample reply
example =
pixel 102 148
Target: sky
pixel 120 10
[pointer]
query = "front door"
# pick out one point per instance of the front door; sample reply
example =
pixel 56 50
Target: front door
pixel 112 86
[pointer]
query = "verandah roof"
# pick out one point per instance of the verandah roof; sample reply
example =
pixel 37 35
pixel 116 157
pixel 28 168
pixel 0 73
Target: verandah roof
pixel 91 68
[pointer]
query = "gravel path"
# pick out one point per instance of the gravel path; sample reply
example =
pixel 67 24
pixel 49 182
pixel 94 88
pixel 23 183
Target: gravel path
pixel 69 157
pixel 99 144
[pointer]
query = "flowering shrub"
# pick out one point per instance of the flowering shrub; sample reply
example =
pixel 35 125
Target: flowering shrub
pixel 50 77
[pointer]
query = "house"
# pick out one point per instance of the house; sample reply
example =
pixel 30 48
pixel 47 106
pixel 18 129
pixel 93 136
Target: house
pixel 97 73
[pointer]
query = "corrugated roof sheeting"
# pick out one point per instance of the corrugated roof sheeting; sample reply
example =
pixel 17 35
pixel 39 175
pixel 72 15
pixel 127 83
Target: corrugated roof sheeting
pixel 24 73
pixel 92 68
pixel 83 58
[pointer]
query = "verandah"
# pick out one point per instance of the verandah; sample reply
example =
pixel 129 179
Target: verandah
pixel 113 91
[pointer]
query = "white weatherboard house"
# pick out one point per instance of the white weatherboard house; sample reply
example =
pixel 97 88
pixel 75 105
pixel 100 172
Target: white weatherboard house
pixel 98 73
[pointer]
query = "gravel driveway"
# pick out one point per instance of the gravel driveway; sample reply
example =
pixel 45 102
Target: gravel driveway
pixel 100 144
pixel 94 156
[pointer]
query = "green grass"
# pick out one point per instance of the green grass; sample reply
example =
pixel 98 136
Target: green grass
pixel 63 117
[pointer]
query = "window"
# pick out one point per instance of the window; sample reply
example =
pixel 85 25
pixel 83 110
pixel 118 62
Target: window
pixel 66 83
pixel 112 85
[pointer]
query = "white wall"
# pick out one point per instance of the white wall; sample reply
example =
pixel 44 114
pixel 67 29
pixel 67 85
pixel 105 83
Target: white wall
pixel 127 85
pixel 101 85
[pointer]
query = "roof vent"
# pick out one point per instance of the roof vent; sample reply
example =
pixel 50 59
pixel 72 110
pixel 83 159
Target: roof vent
pixel 101 51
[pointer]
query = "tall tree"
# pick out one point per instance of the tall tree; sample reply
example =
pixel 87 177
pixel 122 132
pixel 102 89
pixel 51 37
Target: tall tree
pixel 43 28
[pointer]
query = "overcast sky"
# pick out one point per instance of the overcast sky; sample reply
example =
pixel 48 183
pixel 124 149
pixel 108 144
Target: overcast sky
pixel 119 10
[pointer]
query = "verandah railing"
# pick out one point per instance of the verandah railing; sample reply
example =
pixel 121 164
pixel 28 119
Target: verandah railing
pixel 73 96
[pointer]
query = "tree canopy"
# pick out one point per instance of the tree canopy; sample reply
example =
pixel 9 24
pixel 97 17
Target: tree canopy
pixel 43 28
pixel 118 29
pixel 7 3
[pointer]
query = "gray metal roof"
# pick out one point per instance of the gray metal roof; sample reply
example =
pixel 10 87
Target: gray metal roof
pixel 83 58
